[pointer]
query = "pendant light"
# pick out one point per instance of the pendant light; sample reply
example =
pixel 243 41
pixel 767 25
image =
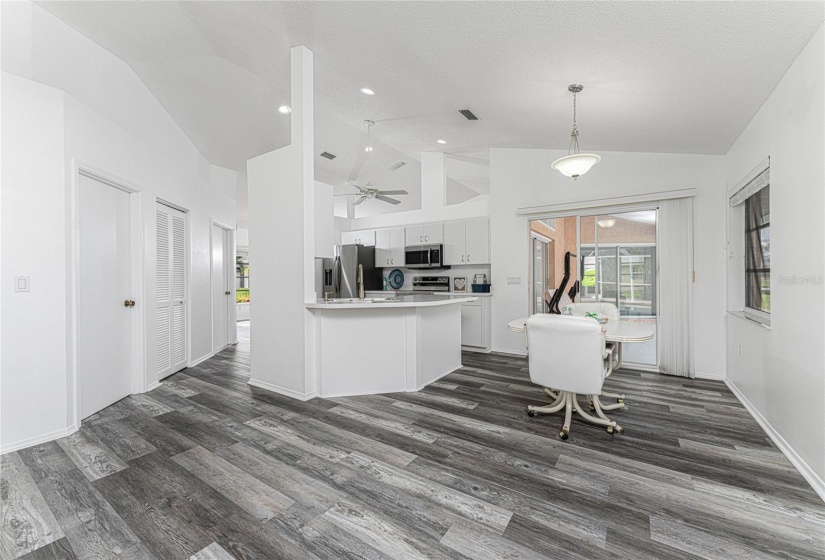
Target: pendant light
pixel 574 163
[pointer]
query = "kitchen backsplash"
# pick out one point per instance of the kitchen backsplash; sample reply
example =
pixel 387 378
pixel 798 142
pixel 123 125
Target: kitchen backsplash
pixel 467 272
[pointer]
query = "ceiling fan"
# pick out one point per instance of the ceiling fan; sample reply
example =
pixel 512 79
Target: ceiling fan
pixel 368 191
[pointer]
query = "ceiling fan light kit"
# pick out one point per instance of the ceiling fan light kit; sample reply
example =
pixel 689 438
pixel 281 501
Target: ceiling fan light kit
pixel 575 164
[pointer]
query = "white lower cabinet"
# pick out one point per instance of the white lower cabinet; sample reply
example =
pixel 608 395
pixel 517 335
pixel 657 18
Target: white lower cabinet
pixel 476 324
pixel 472 325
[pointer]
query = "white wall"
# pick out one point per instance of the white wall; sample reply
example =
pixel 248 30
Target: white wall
pixel 522 178
pixel 117 127
pixel 282 194
pixel 781 371
pixel 33 372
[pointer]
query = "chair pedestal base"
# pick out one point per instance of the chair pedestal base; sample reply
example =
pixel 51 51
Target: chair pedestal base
pixel 569 402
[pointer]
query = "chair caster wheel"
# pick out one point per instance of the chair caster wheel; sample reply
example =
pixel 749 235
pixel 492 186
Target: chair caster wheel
pixel 563 436
pixel 619 430
pixel 531 413
pixel 610 429
pixel 619 401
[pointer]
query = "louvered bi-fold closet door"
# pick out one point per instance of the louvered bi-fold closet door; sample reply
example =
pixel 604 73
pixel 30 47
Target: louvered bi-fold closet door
pixel 171 290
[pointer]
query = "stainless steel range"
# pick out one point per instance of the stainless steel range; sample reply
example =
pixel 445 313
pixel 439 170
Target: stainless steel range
pixel 431 283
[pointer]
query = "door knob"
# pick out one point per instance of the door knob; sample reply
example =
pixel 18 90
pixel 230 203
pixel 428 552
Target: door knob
pixel 226 293
pixel 129 303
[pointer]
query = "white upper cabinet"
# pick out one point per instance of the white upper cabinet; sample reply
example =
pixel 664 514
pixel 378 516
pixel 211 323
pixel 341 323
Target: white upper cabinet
pixel 427 234
pixel 389 247
pixel 454 241
pixel 477 245
pixel 365 237
pixel 467 242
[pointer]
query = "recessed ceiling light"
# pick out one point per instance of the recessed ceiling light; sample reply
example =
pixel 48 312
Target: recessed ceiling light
pixel 441 141
pixel 285 109
pixel 367 91
pixel 368 149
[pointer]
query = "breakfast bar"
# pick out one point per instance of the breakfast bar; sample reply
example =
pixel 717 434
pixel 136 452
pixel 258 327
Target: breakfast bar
pixel 385 345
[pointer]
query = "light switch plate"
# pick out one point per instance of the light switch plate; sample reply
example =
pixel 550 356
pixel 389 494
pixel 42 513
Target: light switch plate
pixel 514 280
pixel 21 283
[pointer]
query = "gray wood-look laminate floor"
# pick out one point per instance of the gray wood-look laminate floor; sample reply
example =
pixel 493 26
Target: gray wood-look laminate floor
pixel 207 467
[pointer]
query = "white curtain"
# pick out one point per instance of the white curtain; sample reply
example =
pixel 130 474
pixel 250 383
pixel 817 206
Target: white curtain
pixel 675 248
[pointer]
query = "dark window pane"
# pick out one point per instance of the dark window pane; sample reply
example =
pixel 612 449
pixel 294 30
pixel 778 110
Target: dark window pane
pixel 757 209
pixel 758 291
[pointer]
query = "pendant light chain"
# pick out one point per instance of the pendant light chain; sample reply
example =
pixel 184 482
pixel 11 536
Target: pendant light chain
pixel 574 136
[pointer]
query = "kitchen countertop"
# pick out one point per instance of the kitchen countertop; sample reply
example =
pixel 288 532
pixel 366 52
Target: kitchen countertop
pixel 400 301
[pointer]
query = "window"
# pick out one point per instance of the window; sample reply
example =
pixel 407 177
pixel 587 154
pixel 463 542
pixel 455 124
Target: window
pixel 758 251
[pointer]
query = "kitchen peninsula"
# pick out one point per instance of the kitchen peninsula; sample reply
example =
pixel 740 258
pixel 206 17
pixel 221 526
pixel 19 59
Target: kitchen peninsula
pixel 386 345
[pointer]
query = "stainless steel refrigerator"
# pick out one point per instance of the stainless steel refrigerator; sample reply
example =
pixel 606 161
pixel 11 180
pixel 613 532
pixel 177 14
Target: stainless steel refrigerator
pixel 341 272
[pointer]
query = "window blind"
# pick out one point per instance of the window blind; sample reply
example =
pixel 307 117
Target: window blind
pixel 751 187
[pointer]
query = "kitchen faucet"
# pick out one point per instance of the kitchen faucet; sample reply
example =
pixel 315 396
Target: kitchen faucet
pixel 360 281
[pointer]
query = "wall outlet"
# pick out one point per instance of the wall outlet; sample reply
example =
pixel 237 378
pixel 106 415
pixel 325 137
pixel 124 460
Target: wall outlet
pixel 514 280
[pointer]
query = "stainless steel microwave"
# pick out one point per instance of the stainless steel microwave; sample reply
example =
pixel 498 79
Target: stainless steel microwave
pixel 424 256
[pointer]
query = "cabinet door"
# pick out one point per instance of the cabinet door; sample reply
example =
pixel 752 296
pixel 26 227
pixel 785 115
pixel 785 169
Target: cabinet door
pixel 349 237
pixel 397 246
pixel 365 237
pixel 433 233
pixel 477 244
pixel 415 236
pixel 454 243
pixel 472 326
pixel 383 247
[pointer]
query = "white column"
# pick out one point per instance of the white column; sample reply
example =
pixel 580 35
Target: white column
pixel 433 180
pixel 281 249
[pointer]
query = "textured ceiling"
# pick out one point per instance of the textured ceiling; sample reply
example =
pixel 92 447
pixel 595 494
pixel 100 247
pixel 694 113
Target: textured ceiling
pixel 681 77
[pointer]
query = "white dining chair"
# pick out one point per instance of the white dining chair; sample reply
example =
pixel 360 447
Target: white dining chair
pixel 569 358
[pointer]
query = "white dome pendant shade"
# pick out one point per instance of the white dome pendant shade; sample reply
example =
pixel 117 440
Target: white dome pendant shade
pixel 574 163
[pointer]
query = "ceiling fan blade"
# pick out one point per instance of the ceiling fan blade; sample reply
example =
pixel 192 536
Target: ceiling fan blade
pixel 359 201
pixel 356 167
pixel 393 192
pixel 387 199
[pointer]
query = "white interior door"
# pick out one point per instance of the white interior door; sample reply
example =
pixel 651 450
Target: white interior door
pixel 171 290
pixel 104 290
pixel 222 286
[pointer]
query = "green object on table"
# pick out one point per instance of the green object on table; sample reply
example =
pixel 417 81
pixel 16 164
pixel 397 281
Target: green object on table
pixel 592 315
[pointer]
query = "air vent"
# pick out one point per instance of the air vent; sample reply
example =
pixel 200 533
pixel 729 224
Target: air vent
pixel 328 155
pixel 468 114
pixel 397 166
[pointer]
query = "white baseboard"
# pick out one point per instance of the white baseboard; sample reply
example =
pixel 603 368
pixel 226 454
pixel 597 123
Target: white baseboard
pixel 203 358
pixel 445 374
pixel 152 386
pixel 807 472
pixel 282 390
pixel 37 440
pixel 711 376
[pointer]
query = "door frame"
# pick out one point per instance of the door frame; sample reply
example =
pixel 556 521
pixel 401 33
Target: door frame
pixel 139 380
pixel 188 267
pixel 231 327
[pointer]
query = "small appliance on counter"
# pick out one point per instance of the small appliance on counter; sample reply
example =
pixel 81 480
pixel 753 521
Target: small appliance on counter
pixel 431 283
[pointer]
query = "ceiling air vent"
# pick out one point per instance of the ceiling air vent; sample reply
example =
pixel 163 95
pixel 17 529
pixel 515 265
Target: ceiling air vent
pixel 397 166
pixel 468 114
pixel 327 155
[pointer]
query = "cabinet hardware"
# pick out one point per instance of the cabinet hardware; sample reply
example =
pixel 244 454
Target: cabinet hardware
pixel 129 303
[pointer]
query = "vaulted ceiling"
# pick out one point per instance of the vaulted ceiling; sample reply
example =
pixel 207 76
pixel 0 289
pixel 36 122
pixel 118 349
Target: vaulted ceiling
pixel 681 77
